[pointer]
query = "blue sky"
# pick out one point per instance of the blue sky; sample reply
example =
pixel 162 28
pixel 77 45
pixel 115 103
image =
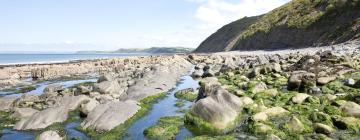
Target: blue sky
pixel 72 25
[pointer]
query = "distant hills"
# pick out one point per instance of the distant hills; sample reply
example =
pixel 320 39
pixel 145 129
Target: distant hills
pixel 297 24
pixel 154 50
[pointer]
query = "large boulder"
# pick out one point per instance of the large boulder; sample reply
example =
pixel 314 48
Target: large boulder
pixel 107 116
pixel 220 108
pixel 43 119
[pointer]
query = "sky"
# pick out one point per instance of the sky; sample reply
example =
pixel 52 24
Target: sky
pixel 74 25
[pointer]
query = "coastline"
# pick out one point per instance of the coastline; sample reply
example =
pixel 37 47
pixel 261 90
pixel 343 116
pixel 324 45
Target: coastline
pixel 240 79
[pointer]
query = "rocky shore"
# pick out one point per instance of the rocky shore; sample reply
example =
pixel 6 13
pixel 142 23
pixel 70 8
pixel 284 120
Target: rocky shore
pixel 295 94
pixel 125 89
pixel 309 94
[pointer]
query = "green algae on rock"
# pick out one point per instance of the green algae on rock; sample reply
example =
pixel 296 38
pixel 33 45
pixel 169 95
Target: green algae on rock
pixel 165 129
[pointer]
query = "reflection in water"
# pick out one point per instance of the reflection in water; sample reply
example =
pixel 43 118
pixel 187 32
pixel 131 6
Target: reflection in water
pixel 164 107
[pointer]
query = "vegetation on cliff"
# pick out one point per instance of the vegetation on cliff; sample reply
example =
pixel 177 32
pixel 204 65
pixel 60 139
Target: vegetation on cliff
pixel 299 23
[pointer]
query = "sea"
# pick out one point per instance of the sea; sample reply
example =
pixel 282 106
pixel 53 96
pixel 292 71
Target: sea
pixel 9 59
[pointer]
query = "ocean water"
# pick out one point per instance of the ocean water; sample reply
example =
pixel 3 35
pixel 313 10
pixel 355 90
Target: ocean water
pixel 52 58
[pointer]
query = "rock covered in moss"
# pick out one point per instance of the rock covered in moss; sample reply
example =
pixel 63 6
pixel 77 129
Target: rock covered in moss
pixel 323 128
pixel 220 108
pixel 301 80
pixel 258 87
pixel 165 129
pixel 294 125
pixel 347 123
pixel 299 98
pixel 186 94
pixel 270 112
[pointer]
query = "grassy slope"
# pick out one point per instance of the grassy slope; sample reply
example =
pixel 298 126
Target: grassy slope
pixel 297 24
pixel 326 21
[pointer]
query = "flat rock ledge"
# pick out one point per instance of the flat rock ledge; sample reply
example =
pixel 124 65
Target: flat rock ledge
pixel 43 119
pixel 107 116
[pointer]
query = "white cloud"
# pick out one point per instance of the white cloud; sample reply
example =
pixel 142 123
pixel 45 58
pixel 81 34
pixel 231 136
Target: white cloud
pixel 216 13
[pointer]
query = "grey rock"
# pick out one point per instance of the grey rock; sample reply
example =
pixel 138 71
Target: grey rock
pixel 220 108
pixel 109 87
pixel 6 103
pixel 323 128
pixel 350 82
pixel 107 116
pixel 20 113
pixel 43 119
pixel 351 109
pixel 50 135
pixel 86 108
pixel 325 80
pixel 53 88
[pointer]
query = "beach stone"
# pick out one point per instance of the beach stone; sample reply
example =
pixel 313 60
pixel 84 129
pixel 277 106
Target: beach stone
pixel 275 111
pixel 50 135
pixel 346 122
pixel 325 80
pixel 276 67
pixel 350 82
pixel 262 116
pixel 351 109
pixel 261 86
pixel 43 119
pixel 323 128
pixel 107 116
pixel 299 98
pixel 301 80
pixel 315 90
pixel 295 125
